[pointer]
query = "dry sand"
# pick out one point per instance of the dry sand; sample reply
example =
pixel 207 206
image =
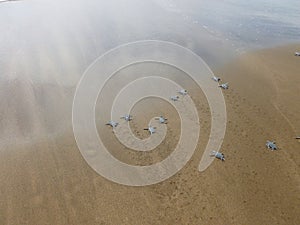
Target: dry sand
pixel 46 181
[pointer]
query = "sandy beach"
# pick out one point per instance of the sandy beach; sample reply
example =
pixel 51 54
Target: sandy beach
pixel 45 48
pixel 48 182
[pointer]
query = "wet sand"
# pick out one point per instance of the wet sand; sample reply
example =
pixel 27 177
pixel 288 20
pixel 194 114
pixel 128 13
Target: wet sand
pixel 46 181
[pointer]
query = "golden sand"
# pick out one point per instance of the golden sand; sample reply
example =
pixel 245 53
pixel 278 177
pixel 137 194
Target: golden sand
pixel 48 182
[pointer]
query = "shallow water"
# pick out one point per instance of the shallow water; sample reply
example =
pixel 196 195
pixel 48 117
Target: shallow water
pixel 54 41
pixel 246 24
